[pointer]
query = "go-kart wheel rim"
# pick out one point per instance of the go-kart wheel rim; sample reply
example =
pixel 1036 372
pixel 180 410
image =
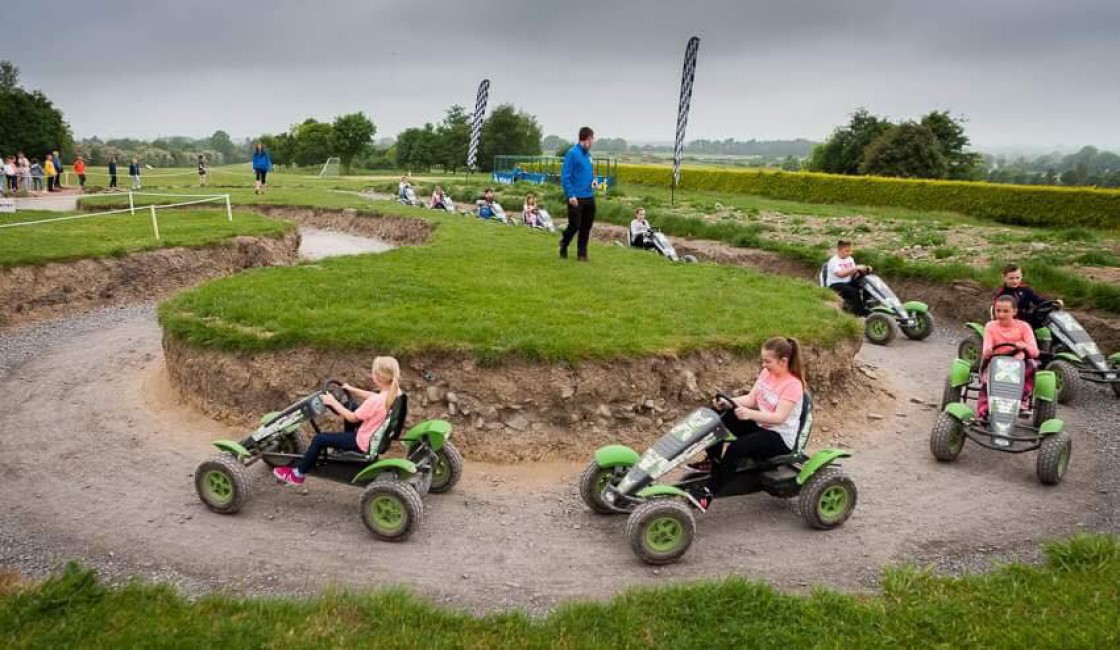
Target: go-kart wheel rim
pixel 971 353
pixel 441 472
pixel 877 328
pixel 664 534
pixel 1057 383
pixel 217 487
pixel 603 480
pixel 833 502
pixel 387 513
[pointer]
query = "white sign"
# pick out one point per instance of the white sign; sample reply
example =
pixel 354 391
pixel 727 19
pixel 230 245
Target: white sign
pixel 7 205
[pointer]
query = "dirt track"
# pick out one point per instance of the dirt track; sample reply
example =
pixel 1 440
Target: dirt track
pixel 96 461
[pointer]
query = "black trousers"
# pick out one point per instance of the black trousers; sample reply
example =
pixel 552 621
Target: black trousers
pixel 751 441
pixel 580 219
pixel 852 294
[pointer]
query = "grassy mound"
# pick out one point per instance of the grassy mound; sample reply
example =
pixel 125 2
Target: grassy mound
pixel 498 292
pixel 120 234
pixel 1073 601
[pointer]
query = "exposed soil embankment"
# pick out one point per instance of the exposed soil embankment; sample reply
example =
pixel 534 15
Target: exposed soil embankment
pixel 959 301
pixel 516 411
pixel 31 293
pixel 398 231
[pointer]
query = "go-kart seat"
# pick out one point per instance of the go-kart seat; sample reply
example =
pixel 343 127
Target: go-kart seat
pixel 385 434
pixel 804 428
pixel 822 276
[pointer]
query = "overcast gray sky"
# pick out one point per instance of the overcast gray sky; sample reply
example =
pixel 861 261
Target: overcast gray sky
pixel 1024 72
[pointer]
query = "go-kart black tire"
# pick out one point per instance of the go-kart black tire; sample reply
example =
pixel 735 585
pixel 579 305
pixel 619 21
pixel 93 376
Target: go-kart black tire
pixel 591 484
pixel 448 468
pixel 391 509
pixel 970 350
pixel 1116 389
pixel 950 394
pixel 1068 380
pixel 223 484
pixel 290 444
pixel 879 329
pixel 1044 411
pixel 689 259
pixel 828 499
pixel 922 329
pixel 947 438
pixel 660 531
pixel 1053 458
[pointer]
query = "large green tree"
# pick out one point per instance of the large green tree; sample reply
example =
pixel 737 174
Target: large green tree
pixel 961 164
pixel 418 149
pixel 223 144
pixel 508 131
pixel 314 143
pixel 29 122
pixel 908 150
pixel 843 152
pixel 454 134
pixel 353 134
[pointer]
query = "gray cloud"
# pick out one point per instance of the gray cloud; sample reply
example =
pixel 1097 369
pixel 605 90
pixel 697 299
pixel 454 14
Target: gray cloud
pixel 1026 72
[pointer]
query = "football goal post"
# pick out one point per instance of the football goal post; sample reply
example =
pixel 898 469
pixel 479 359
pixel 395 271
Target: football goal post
pixel 332 167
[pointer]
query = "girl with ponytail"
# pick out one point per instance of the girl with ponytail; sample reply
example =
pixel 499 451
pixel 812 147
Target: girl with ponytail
pixel 766 420
pixel 376 406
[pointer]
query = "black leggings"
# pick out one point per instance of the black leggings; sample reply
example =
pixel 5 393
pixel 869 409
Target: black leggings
pixel 852 294
pixel 580 219
pixel 262 175
pixel 751 441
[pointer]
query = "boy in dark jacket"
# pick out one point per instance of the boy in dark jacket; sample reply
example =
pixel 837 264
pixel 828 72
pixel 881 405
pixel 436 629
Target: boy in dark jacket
pixel 1026 298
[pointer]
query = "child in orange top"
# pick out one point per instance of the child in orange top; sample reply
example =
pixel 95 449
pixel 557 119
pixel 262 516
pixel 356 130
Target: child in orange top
pixel 1007 330
pixel 80 170
pixel 386 375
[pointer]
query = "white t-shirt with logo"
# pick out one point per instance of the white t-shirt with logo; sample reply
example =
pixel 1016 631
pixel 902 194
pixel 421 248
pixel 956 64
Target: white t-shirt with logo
pixel 836 264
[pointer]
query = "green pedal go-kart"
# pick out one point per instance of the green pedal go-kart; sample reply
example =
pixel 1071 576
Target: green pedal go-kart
pixel 390 503
pixel 661 526
pixel 885 311
pixel 1065 348
pixel 1008 426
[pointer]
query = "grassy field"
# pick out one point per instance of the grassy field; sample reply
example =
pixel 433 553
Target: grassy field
pixel 1072 601
pixel 498 292
pixel 119 234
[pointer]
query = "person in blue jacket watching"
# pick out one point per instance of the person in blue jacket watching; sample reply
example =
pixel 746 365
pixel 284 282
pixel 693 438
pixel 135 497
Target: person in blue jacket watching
pixel 262 164
pixel 578 178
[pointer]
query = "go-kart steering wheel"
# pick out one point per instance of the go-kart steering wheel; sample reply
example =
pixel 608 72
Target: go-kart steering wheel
pixel 720 395
pixel 334 387
pixel 1047 306
pixel 1013 352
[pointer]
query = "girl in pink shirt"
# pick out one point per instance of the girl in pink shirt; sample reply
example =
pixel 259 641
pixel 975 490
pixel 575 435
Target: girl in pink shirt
pixel 386 375
pixel 766 420
pixel 1001 333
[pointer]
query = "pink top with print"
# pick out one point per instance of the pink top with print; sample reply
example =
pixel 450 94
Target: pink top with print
pixel 372 413
pixel 769 390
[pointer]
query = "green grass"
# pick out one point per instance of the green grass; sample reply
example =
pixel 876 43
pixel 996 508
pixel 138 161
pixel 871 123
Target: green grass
pixel 1071 601
pixel 499 292
pixel 120 234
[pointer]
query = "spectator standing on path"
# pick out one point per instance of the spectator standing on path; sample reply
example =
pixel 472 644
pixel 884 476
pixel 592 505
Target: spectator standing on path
pixel 113 172
pixel 51 171
pixel 578 178
pixel 203 170
pixel 80 170
pixel 262 163
pixel 23 168
pixel 36 175
pixel 134 172
pixel 58 169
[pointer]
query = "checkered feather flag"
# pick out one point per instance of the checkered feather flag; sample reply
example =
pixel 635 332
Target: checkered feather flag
pixel 687 75
pixel 476 123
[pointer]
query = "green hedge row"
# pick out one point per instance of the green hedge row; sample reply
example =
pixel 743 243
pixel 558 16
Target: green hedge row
pixel 1014 204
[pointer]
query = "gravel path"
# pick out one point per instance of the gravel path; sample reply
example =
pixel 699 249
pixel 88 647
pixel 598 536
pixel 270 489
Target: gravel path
pixel 108 480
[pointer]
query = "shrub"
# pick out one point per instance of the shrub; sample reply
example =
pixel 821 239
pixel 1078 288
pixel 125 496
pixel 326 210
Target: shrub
pixel 1014 204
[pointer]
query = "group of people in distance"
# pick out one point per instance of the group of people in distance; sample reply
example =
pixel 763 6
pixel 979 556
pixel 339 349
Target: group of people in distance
pixel 485 207
pixel 1013 321
pixel 23 175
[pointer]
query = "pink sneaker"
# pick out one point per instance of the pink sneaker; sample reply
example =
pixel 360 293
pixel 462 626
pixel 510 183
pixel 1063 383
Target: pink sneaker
pixel 287 475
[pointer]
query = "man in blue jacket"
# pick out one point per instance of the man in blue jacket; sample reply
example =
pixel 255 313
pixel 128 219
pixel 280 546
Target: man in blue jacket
pixel 577 176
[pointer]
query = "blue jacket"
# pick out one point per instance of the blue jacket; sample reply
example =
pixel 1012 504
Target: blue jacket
pixel 577 173
pixel 261 160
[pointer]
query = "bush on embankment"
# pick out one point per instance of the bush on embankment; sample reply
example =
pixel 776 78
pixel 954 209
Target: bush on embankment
pixel 1013 204
pixel 1072 601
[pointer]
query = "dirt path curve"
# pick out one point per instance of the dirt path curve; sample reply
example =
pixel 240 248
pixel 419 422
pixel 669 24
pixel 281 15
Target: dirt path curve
pixel 96 461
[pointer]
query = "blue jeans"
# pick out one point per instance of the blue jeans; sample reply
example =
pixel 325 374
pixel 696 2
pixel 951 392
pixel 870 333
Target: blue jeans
pixel 343 441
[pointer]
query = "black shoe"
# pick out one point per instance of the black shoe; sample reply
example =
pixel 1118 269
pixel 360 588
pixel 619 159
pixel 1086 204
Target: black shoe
pixel 581 258
pixel 563 254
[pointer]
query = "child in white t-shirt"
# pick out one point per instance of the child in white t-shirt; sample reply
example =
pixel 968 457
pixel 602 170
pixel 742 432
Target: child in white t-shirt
pixel 843 276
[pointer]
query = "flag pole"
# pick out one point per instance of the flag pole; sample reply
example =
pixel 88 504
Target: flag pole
pixel 688 74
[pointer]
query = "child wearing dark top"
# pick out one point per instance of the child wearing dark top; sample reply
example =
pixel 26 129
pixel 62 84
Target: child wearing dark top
pixel 112 172
pixel 1025 297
